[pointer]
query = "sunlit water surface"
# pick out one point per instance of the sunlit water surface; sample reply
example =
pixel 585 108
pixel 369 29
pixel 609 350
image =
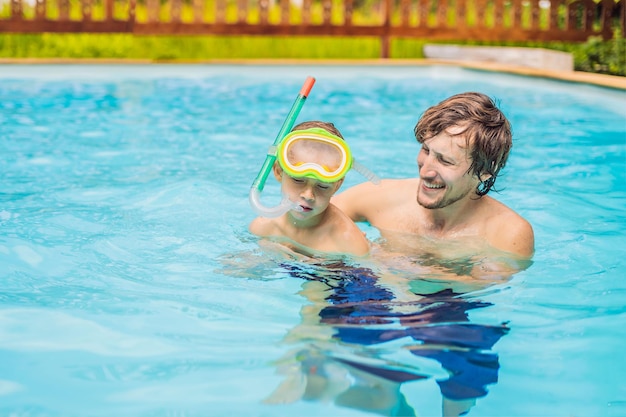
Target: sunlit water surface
pixel 129 285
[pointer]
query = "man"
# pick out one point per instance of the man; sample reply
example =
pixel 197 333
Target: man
pixel 465 143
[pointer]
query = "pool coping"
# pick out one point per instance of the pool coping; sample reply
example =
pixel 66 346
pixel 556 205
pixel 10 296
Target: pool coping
pixel 610 81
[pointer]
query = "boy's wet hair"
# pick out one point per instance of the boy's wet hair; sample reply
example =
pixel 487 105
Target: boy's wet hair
pixel 327 126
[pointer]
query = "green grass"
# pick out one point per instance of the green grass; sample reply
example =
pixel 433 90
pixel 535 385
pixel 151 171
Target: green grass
pixel 47 45
pixel 596 55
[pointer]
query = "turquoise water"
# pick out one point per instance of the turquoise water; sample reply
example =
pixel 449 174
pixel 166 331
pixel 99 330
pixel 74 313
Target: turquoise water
pixel 129 285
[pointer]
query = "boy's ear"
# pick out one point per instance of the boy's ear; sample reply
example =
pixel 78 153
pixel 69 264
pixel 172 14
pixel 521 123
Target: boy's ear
pixel 338 184
pixel 278 172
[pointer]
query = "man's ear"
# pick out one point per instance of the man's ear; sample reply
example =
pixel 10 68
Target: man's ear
pixel 278 172
pixel 484 177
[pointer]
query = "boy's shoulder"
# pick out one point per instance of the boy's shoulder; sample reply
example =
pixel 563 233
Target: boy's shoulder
pixel 262 226
pixel 345 234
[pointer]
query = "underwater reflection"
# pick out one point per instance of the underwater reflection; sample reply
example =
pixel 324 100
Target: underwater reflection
pixel 351 344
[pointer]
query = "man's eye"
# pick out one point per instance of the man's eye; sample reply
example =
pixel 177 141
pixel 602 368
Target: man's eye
pixel 323 186
pixel 297 180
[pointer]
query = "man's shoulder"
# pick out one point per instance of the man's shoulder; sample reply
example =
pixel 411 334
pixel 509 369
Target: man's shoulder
pixel 499 210
pixel 508 230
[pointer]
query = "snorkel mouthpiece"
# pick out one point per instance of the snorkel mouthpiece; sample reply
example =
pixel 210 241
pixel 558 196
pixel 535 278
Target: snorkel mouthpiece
pixel 258 184
pixel 276 211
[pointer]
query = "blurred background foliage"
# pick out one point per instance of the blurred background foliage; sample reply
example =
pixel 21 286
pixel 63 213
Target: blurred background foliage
pixel 595 55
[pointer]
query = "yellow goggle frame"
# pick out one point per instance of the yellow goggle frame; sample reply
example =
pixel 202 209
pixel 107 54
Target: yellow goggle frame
pixel 311 169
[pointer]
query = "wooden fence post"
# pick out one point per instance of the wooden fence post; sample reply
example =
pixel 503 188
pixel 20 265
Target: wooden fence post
pixel 108 9
pixel 263 11
pixel 64 10
pixel 605 19
pixel 40 10
pixel 384 39
pixel 16 10
pixel 327 11
pixel 285 7
pixel 622 18
pixel 306 12
pixel 198 11
pixel 153 7
pixel 86 4
pixel 348 8
pixel 242 11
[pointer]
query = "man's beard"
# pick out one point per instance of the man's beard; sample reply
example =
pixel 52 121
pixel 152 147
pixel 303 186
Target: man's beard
pixel 445 201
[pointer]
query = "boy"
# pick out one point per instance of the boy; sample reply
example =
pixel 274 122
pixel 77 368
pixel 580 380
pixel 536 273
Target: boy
pixel 311 164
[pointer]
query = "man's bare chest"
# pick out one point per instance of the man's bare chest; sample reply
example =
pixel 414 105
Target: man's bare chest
pixel 418 223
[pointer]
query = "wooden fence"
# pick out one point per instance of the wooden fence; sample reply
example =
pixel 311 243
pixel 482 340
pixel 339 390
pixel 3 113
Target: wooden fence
pixel 438 20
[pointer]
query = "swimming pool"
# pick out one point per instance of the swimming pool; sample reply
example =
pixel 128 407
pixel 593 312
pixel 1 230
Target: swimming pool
pixel 130 285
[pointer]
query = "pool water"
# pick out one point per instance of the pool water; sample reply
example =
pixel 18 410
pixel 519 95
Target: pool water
pixel 129 285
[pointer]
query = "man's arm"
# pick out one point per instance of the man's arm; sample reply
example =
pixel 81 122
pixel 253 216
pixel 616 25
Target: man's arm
pixel 348 202
pixel 358 201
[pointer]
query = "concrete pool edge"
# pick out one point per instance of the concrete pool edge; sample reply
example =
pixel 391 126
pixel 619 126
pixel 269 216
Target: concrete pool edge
pixel 602 80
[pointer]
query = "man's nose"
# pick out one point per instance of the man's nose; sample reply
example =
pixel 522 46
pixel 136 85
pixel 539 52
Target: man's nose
pixel 425 167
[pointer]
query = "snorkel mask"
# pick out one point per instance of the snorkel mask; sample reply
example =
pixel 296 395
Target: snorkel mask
pixel 295 152
pixel 299 148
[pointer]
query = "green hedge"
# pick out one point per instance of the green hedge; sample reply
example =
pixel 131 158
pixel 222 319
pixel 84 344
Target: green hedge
pixel 601 57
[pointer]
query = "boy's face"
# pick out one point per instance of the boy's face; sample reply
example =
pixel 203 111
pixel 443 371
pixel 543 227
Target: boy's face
pixel 309 193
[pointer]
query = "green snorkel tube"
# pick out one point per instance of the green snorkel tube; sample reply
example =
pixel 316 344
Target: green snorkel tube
pixel 258 184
